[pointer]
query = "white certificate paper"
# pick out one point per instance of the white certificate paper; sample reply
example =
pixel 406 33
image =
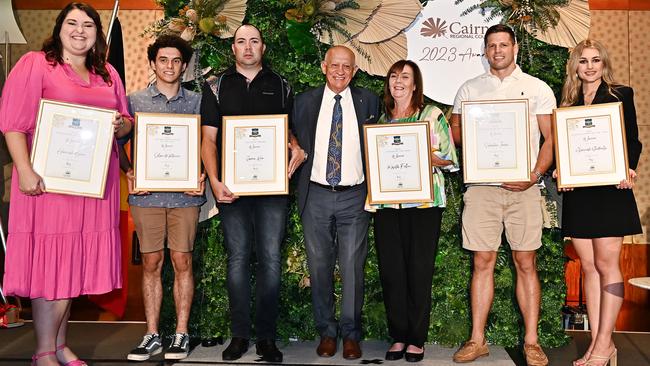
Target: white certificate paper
pixel 590 145
pixel 167 152
pixel 399 163
pixel 496 140
pixel 255 154
pixel 72 147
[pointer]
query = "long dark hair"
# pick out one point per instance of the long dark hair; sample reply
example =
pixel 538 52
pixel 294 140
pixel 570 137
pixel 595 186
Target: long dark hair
pixel 96 56
pixel 417 100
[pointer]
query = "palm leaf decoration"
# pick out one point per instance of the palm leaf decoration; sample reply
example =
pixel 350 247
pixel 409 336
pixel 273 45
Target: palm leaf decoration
pixel 538 14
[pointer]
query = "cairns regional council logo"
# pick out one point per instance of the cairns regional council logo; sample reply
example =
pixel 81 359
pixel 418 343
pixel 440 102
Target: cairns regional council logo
pixel 439 28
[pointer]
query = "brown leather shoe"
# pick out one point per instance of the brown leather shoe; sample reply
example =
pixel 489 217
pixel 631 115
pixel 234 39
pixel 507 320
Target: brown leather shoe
pixel 535 355
pixel 470 351
pixel 351 349
pixel 327 346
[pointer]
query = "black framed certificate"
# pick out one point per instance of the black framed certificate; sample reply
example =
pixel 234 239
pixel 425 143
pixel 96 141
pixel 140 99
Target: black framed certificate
pixel 398 168
pixel 590 147
pixel 167 152
pixel 496 145
pixel 255 154
pixel 71 147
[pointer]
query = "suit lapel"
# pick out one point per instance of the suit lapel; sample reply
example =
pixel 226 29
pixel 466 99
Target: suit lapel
pixel 317 100
pixel 358 105
pixel 602 94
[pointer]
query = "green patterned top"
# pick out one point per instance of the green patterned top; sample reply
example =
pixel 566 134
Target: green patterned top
pixel 443 146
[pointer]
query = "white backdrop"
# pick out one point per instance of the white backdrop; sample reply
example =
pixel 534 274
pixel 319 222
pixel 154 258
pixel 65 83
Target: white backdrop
pixel 447 47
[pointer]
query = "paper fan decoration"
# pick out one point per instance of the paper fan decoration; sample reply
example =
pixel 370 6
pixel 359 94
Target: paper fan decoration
pixel 234 12
pixel 381 55
pixel 355 19
pixel 572 27
pixel 390 18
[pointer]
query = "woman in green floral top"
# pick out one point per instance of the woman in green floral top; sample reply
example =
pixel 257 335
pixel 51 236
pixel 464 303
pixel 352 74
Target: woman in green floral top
pixel 407 234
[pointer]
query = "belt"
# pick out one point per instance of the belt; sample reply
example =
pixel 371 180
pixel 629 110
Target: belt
pixel 333 188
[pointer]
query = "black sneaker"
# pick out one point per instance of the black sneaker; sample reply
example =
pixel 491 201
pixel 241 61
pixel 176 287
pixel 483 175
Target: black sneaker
pixel 151 345
pixel 179 348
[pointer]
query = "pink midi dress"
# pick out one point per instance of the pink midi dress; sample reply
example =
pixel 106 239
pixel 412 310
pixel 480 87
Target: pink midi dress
pixel 60 246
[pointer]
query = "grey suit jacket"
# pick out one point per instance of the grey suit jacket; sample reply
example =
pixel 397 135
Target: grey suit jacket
pixel 306 108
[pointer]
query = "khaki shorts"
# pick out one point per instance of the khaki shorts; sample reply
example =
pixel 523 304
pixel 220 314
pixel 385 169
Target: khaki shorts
pixel 488 209
pixel 153 224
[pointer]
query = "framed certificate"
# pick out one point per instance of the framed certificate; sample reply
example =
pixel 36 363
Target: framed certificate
pixel 255 154
pixel 167 152
pixel 398 163
pixel 71 148
pixel 496 145
pixel 590 148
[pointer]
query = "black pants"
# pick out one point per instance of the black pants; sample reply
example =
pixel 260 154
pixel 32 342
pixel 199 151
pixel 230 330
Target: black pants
pixel 407 240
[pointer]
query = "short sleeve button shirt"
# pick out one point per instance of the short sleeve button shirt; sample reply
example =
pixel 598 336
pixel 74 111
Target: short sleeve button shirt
pixel 151 100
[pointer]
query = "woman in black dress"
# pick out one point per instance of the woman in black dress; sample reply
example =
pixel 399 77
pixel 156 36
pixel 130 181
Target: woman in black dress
pixel 597 218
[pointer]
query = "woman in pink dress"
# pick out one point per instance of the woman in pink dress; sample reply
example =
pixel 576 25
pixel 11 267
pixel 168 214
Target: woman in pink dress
pixel 60 246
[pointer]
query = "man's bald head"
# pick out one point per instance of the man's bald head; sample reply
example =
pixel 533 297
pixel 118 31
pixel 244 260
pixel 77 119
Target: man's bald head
pixel 339 67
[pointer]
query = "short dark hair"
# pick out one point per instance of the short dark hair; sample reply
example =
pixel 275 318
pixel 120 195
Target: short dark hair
pixel 234 35
pixel 172 41
pixel 417 100
pixel 500 28
pixel 96 56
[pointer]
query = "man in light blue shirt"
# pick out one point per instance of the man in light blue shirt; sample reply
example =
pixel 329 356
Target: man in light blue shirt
pixel 165 216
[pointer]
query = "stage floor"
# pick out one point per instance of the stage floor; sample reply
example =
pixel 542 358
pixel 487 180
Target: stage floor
pixel 107 343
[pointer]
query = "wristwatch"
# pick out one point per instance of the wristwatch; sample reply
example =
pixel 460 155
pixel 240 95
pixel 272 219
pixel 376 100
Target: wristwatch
pixel 539 176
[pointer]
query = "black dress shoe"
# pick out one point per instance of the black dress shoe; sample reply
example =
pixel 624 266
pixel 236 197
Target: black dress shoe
pixel 413 357
pixel 269 352
pixel 237 347
pixel 395 355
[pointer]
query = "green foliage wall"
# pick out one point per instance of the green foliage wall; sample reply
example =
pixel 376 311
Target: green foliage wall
pixel 450 315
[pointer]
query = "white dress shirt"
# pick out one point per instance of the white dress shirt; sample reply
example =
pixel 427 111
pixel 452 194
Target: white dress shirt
pixel 351 164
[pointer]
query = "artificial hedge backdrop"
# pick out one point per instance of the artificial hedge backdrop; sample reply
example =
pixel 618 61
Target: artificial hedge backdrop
pixel 450 315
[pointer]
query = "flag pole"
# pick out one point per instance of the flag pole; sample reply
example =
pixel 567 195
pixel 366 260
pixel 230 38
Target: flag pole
pixel 116 8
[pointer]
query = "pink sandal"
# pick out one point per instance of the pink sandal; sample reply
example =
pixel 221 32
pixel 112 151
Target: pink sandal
pixel 76 362
pixel 41 355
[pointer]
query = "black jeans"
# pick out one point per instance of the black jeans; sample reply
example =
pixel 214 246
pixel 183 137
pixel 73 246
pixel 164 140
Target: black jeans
pixel 407 241
pixel 254 224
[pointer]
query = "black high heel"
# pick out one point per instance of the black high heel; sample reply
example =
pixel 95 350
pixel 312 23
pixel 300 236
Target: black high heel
pixel 395 355
pixel 414 357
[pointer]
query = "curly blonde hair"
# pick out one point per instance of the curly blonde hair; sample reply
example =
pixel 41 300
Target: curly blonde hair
pixel 573 84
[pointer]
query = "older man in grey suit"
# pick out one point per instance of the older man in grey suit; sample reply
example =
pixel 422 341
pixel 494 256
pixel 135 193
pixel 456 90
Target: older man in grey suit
pixel 331 194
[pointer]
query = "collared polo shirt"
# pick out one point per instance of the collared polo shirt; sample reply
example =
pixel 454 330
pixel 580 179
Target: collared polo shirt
pixel 517 85
pixel 151 100
pixel 232 94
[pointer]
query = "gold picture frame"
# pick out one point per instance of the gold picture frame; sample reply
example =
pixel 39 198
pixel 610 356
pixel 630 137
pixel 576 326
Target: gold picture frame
pixel 72 146
pixel 495 139
pixel 167 152
pixel 255 154
pixel 590 145
pixel 398 163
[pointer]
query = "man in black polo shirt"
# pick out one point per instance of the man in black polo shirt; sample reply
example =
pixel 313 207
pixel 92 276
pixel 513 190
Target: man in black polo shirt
pixel 248 88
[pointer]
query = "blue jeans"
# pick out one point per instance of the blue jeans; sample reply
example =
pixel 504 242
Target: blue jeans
pixel 254 225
